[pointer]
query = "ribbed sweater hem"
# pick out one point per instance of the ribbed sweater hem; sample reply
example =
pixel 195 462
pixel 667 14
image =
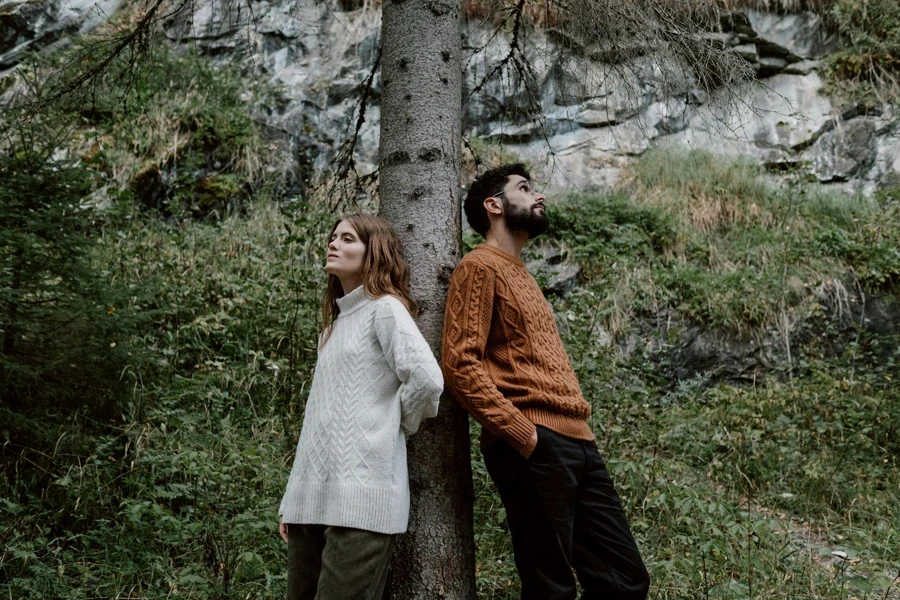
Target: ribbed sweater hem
pixel 344 504
pixel 572 427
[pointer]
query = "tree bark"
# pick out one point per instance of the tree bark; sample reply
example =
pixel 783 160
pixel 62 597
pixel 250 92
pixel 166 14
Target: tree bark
pixel 419 190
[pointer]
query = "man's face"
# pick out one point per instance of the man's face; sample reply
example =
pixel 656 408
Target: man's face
pixel 523 207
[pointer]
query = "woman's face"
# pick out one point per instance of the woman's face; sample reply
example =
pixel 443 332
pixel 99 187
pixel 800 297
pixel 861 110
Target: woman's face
pixel 346 254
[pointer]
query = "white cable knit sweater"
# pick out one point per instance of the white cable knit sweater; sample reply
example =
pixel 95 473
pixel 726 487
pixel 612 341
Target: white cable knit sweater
pixel 375 380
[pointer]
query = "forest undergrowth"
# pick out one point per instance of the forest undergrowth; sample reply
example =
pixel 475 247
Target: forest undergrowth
pixel 145 450
pixel 785 487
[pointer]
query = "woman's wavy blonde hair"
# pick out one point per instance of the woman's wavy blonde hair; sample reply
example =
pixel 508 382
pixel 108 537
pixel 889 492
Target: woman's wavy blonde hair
pixel 385 271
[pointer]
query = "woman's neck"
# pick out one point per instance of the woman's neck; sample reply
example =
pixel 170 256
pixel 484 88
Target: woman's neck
pixel 348 284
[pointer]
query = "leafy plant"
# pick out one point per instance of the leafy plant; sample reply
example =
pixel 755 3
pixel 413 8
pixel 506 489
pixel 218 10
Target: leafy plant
pixel 867 68
pixel 58 317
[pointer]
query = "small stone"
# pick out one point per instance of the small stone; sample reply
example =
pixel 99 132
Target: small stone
pixel 803 67
pixel 698 96
pixel 553 275
pixel 564 280
pixel 770 65
pixel 747 51
pixel 595 118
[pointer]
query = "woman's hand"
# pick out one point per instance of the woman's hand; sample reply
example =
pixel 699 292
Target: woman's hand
pixel 282 530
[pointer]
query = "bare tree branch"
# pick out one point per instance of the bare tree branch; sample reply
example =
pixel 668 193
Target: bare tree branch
pixel 513 49
pixel 345 154
pixel 100 56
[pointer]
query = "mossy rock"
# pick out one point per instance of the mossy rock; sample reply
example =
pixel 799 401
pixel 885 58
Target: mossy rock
pixel 219 192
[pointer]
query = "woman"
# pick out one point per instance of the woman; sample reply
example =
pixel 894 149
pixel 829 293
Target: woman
pixel 375 380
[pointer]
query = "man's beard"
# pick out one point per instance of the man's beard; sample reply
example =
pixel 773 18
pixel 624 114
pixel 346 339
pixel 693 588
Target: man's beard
pixel 532 221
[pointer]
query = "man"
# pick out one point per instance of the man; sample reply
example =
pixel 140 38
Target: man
pixel 506 364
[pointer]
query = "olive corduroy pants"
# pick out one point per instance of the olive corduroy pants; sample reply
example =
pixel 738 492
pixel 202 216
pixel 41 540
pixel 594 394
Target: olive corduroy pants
pixel 337 563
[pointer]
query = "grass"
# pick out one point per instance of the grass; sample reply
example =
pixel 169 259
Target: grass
pixel 733 491
pixel 717 245
pixel 867 68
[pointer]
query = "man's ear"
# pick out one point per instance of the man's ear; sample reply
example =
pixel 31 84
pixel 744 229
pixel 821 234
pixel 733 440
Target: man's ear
pixel 493 205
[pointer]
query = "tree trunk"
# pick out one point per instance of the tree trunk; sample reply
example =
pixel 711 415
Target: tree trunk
pixel 419 188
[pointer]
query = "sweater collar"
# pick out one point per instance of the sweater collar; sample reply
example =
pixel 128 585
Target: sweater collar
pixel 350 302
pixel 500 253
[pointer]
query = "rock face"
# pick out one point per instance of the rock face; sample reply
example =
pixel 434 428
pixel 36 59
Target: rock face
pixel 27 26
pixel 692 351
pixel 845 151
pixel 720 355
pixel 576 119
pixel 793 36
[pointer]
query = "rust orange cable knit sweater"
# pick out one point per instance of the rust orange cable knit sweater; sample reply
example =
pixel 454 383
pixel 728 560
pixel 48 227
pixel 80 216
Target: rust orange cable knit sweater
pixel 502 356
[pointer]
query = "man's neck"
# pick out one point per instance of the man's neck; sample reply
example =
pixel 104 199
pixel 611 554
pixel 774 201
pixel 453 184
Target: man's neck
pixel 510 242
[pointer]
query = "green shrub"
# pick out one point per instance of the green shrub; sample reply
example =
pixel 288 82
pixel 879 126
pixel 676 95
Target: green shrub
pixel 870 246
pixel 824 446
pixel 712 242
pixel 201 336
pixel 177 132
pixel 58 316
pixel 177 495
pixel 867 68
pixel 611 226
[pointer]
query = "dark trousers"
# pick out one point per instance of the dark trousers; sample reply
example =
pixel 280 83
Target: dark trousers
pixel 337 563
pixel 564 513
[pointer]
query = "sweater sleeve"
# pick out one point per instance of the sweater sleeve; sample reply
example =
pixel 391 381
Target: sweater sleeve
pixel 410 357
pixel 467 323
